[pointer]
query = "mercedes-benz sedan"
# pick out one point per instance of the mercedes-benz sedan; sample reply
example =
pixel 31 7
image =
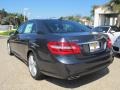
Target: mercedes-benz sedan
pixel 60 48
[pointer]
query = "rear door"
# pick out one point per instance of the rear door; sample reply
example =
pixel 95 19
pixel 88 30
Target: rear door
pixel 25 38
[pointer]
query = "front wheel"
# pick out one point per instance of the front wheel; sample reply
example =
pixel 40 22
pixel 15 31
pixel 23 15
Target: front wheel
pixel 33 67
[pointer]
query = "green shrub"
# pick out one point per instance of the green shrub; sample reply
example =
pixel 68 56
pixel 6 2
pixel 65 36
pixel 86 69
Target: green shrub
pixel 7 33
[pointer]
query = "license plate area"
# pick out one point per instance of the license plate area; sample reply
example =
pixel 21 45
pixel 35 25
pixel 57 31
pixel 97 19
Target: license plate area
pixel 94 46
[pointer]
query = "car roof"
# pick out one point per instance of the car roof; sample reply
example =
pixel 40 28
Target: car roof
pixel 46 20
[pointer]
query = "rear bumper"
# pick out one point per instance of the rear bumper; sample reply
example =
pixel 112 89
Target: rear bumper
pixel 71 67
pixel 89 70
pixel 73 71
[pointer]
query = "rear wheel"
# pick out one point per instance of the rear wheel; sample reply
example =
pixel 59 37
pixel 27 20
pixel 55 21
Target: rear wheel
pixel 33 67
pixel 9 49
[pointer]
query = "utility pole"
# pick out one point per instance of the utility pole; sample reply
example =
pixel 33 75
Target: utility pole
pixel 25 13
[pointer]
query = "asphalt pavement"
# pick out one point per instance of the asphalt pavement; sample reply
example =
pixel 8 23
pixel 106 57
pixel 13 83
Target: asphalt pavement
pixel 14 75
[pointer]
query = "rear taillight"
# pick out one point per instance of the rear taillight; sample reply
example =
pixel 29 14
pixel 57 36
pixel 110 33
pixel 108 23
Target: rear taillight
pixel 109 43
pixel 63 48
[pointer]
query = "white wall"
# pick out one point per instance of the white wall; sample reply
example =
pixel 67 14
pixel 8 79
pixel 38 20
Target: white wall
pixel 6 27
pixel 96 18
pixel 99 17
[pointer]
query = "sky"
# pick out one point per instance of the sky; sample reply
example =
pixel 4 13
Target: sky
pixel 50 8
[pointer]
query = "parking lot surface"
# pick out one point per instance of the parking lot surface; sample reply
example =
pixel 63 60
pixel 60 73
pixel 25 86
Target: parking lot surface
pixel 14 75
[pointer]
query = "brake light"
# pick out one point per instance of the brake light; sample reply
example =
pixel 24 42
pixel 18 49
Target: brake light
pixel 63 48
pixel 109 43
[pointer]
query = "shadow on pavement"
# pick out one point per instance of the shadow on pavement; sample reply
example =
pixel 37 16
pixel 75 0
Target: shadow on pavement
pixel 80 81
pixel 117 56
pixel 21 60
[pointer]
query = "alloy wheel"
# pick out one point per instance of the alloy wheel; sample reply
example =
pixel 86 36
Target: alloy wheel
pixel 32 65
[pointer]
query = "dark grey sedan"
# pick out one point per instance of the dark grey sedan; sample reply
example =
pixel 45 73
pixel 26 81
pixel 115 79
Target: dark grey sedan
pixel 60 48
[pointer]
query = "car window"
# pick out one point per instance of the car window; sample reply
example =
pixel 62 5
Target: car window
pixel 21 29
pixel 41 29
pixel 114 28
pixel 61 26
pixel 28 28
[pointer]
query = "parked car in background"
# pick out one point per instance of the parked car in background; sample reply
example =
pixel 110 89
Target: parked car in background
pixel 116 46
pixel 90 27
pixel 112 31
pixel 60 48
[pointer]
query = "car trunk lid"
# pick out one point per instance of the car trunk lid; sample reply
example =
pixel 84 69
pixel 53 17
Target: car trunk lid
pixel 89 42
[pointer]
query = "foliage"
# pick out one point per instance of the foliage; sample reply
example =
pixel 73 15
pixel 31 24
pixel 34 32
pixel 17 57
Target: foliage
pixel 93 10
pixel 7 33
pixel 71 18
pixel 88 18
pixel 115 1
pixel 10 18
pixel 77 18
pixel 3 12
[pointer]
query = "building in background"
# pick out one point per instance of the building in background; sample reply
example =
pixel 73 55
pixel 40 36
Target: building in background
pixel 103 15
pixel 86 21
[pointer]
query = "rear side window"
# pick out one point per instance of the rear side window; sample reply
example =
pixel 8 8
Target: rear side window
pixel 41 29
pixel 61 26
pixel 30 28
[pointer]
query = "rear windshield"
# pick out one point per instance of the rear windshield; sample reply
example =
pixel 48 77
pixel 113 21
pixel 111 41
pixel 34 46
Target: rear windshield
pixel 61 26
pixel 101 29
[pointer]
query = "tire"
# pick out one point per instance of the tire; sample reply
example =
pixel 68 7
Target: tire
pixel 33 67
pixel 9 49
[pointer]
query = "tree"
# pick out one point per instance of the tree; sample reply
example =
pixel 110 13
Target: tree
pixel 5 21
pixel 93 10
pixel 71 18
pixel 11 18
pixel 88 18
pixel 115 5
pixel 3 12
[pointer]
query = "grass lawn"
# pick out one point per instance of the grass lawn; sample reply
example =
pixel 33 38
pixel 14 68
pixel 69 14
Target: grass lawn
pixel 6 33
